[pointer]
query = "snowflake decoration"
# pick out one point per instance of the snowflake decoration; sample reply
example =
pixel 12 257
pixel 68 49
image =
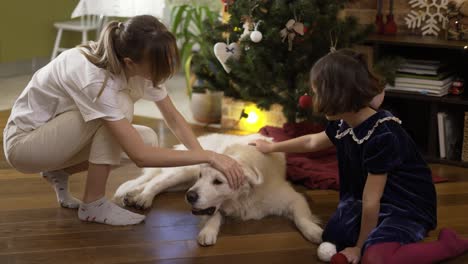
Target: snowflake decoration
pixel 428 16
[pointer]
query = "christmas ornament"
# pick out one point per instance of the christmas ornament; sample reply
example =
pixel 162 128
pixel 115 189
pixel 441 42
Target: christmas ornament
pixel 225 16
pixel 291 30
pixel 256 36
pixel 427 15
pixel 224 51
pixel 333 41
pixel 248 27
pixel 305 101
pixel 306 28
pixel 224 2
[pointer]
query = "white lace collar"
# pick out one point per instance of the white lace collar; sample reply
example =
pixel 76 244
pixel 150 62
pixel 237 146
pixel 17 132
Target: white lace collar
pixel 369 133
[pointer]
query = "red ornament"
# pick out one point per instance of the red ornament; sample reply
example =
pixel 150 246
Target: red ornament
pixel 339 258
pixel 308 27
pixel 227 3
pixel 305 101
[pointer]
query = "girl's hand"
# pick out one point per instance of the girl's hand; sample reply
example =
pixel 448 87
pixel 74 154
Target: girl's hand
pixel 262 145
pixel 353 254
pixel 229 167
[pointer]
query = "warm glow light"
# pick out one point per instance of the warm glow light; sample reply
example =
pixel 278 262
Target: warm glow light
pixel 253 117
pixel 253 120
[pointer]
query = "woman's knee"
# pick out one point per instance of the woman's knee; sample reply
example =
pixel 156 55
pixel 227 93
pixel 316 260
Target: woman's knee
pixel 104 148
pixel 148 135
pixel 23 167
pixel 26 163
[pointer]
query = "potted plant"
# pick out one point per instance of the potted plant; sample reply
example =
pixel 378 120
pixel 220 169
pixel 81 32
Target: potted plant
pixel 189 24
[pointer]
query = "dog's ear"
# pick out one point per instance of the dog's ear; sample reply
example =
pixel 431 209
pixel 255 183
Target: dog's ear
pixel 253 176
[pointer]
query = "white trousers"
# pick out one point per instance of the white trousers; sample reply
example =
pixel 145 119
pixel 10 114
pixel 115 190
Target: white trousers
pixel 65 141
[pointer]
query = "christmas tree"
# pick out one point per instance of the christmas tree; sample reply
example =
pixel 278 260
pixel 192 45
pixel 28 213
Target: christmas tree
pixel 278 43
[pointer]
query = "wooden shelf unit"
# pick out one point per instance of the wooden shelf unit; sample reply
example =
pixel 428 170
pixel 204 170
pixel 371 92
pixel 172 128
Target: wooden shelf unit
pixel 447 99
pixel 458 50
pixel 417 41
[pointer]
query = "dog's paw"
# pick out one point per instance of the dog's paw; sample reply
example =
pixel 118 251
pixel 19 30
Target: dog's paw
pixel 310 230
pixel 207 237
pixel 141 200
pixel 125 191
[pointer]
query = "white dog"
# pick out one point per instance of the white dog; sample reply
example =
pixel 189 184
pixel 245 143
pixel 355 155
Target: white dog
pixel 265 192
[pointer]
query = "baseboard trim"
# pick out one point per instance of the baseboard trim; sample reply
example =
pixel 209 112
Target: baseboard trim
pixel 23 67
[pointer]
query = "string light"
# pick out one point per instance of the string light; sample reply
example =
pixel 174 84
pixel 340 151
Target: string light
pixel 251 119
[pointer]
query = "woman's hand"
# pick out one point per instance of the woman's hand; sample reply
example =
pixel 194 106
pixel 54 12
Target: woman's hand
pixel 262 146
pixel 353 254
pixel 229 167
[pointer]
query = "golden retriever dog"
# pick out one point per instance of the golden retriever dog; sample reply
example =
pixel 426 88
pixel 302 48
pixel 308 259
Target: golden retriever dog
pixel 265 191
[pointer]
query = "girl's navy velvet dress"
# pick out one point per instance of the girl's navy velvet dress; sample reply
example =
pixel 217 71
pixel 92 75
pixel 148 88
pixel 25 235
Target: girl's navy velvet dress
pixel 408 206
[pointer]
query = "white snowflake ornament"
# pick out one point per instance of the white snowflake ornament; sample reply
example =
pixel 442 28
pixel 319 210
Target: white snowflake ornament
pixel 428 15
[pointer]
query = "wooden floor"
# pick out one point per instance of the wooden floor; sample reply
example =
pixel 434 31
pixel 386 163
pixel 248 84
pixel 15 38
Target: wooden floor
pixel 34 230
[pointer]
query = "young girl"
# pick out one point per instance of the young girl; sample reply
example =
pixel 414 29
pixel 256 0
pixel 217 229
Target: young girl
pixel 76 112
pixel 387 197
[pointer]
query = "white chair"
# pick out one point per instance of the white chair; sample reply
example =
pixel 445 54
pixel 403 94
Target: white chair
pixel 84 24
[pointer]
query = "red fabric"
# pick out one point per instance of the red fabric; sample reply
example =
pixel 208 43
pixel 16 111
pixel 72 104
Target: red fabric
pixel 318 170
pixel 449 245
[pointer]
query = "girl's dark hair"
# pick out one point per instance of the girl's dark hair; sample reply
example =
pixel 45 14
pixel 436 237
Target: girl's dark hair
pixel 343 83
pixel 141 38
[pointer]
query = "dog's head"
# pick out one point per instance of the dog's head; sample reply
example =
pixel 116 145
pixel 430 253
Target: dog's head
pixel 212 188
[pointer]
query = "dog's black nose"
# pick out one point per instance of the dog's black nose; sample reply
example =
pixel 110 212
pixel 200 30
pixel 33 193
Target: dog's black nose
pixel 192 197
